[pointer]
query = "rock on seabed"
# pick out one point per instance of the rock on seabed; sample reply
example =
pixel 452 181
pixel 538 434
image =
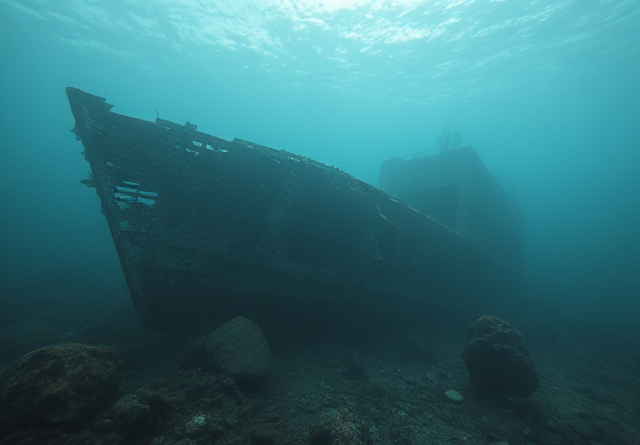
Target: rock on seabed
pixel 497 359
pixel 58 387
pixel 237 348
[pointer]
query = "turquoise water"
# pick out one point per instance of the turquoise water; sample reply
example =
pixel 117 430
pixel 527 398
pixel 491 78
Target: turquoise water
pixel 547 92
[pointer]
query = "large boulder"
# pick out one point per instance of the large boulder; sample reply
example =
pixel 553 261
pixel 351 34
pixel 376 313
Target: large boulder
pixel 497 359
pixel 237 348
pixel 58 387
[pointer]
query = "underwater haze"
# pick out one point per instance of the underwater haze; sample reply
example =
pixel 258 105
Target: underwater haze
pixel 547 92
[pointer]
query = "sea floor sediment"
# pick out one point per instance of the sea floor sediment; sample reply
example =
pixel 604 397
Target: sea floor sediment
pixel 328 390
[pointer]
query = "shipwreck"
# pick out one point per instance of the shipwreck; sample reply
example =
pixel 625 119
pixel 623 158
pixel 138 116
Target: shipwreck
pixel 207 229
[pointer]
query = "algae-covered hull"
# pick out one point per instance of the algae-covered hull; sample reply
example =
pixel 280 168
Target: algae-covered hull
pixel 207 229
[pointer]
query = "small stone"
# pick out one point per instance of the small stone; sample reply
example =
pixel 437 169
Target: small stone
pixel 131 413
pixel 454 396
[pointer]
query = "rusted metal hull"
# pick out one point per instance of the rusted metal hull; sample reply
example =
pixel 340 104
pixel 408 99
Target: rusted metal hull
pixel 207 229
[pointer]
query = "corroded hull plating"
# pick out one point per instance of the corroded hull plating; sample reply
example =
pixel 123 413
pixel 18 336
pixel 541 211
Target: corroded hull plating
pixel 207 229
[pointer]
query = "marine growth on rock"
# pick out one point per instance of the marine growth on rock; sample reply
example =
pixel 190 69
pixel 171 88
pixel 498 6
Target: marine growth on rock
pixel 497 359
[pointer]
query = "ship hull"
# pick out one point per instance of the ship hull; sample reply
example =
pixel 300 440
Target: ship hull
pixel 206 229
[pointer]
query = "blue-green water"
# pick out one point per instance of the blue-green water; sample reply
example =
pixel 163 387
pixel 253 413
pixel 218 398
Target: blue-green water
pixel 547 92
